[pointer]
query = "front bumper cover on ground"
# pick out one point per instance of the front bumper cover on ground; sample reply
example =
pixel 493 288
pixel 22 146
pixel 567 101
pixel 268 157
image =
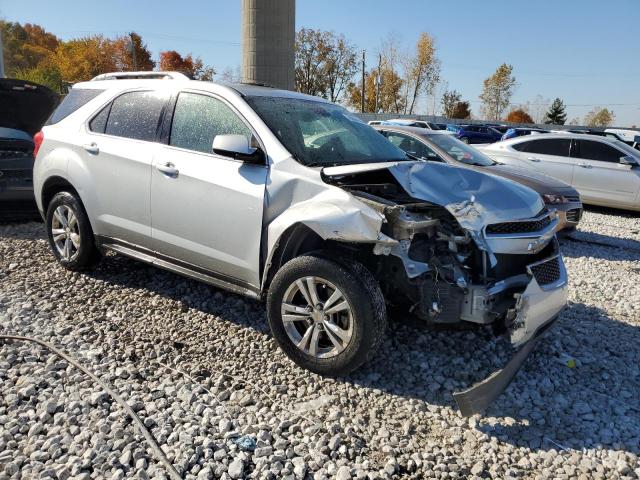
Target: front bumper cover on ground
pixel 477 398
pixel 536 310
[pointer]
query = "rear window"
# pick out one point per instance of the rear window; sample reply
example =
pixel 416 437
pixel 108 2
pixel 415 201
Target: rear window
pixel 76 98
pixel 135 115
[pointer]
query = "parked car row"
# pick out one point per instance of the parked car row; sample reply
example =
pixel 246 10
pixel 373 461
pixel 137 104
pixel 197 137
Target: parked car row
pixel 293 200
pixel 605 171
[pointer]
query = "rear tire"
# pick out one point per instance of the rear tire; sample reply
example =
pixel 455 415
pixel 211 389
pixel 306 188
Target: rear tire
pixel 69 232
pixel 322 340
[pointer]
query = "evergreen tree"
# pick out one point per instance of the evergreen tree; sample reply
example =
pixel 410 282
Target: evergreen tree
pixel 556 114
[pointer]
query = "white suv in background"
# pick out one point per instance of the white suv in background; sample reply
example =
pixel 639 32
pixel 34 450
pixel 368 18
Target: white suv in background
pixel 291 199
pixel 603 170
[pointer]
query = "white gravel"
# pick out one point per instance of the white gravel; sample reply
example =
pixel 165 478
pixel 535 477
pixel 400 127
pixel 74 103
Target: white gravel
pixel 137 327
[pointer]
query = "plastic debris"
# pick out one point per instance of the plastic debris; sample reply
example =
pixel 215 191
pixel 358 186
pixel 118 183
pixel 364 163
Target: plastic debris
pixel 567 360
pixel 246 443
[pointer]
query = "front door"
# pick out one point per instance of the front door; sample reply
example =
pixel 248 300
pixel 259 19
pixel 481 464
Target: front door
pixel 601 178
pixel 206 209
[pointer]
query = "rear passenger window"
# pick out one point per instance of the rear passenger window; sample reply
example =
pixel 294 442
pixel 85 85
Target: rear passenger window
pixel 591 150
pixel 546 146
pixel 99 122
pixel 135 115
pixel 197 119
pixel 76 98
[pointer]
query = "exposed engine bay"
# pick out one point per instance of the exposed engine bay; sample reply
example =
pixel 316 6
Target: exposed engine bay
pixel 442 272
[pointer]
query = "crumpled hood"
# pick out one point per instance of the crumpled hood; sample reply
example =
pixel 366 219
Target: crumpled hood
pixel 539 182
pixel 497 199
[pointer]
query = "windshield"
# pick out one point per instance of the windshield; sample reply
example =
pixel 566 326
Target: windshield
pixel 324 134
pixel 460 151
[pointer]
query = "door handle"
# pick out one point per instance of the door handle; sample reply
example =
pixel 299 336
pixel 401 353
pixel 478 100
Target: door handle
pixel 584 165
pixel 533 159
pixel 168 169
pixel 92 148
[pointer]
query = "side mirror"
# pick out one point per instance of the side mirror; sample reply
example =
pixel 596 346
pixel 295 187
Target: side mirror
pixel 629 160
pixel 237 147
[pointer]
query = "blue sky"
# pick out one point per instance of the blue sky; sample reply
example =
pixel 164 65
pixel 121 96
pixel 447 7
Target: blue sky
pixel 583 51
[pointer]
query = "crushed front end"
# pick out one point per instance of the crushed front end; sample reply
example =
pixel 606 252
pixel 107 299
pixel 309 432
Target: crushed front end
pixel 457 259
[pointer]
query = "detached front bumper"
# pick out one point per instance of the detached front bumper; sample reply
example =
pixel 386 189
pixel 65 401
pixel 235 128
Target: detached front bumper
pixel 535 310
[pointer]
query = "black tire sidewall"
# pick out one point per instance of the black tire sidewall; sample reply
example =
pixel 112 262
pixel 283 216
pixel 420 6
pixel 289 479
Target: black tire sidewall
pixel 365 336
pixel 87 252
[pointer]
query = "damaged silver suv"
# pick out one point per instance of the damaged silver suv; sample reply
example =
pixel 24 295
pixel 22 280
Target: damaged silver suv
pixel 289 198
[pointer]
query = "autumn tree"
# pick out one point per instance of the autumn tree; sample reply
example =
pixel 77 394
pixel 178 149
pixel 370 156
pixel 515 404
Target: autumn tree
pixel 599 117
pixel 449 101
pixel 83 58
pixel 340 65
pixel 461 110
pixel 422 71
pixel 190 66
pixel 130 47
pixel 390 98
pixel 556 114
pixel 519 115
pixel 497 91
pixel 324 63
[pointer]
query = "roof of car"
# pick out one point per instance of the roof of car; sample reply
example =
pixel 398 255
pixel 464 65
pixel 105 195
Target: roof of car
pixel 413 130
pixel 136 79
pixel 542 136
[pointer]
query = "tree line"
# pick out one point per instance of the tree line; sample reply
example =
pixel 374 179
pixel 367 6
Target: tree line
pixel 326 64
pixel 31 53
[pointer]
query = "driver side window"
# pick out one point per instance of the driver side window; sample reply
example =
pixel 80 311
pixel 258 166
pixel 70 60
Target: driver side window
pixel 197 119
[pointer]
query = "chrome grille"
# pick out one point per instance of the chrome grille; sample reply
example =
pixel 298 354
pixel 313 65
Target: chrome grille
pixel 528 226
pixel 547 272
pixel 574 214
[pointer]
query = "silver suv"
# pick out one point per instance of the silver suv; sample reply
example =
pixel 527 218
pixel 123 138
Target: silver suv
pixel 291 199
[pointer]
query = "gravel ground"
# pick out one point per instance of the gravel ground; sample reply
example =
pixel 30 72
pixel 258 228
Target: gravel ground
pixel 201 370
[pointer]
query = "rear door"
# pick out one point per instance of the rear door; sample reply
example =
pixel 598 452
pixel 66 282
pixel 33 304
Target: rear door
pixel 601 178
pixel 118 150
pixel 547 155
pixel 206 208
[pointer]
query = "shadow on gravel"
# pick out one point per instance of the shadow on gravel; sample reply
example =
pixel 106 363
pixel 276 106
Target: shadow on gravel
pixel 23 230
pixel 599 246
pixel 595 403
pixel 612 211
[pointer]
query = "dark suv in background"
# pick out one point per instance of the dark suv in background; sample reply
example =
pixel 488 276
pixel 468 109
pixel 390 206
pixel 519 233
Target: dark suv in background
pixel 475 133
pixel 25 106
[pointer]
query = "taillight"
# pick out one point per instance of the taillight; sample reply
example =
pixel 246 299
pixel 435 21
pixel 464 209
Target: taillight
pixel 37 141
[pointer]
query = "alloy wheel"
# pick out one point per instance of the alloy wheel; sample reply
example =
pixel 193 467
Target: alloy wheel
pixel 317 317
pixel 65 232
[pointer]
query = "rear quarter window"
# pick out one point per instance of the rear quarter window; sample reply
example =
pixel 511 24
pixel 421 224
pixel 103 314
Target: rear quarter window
pixel 77 98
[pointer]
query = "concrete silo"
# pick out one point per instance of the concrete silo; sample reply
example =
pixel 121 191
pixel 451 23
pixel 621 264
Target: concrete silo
pixel 268 39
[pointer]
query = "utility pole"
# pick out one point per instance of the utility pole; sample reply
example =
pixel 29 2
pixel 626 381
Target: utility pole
pixel 378 80
pixel 1 57
pixel 133 53
pixel 363 87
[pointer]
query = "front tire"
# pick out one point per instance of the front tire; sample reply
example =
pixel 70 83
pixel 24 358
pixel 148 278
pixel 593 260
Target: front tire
pixel 69 232
pixel 328 317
